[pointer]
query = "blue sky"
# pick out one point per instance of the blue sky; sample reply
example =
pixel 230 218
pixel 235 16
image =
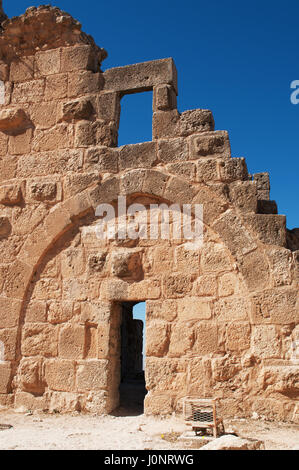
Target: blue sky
pixel 236 58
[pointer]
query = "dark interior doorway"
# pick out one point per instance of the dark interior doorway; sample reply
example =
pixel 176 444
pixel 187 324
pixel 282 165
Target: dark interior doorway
pixel 132 387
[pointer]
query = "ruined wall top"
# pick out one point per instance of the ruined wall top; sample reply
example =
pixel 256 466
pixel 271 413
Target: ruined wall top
pixel 41 28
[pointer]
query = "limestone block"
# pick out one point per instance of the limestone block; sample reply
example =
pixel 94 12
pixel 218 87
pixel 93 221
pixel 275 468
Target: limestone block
pixel 92 375
pixel 231 442
pixel 60 375
pixel 10 194
pixel 161 310
pixel 206 286
pixel 271 229
pixel 47 63
pixel 96 261
pixel 5 378
pixel 22 70
pixel 179 191
pixel 232 309
pixel 59 137
pixel 8 336
pixel 173 150
pixel 158 404
pixel 225 368
pixel 280 262
pixel 210 145
pixel 17 278
pixel 207 170
pixel 79 57
pixel 13 120
pixel 27 401
pixel 39 339
pixel 3 152
pixel 9 312
pixel 106 192
pixel 266 207
pixel 43 190
pixel 194 121
pixel 155 183
pixel 141 77
pixel 84 83
pixel 36 312
pixel 234 234
pixel 95 133
pixel 146 289
pixel 177 285
pixel 238 336
pixel 28 92
pixel 127 265
pixel 275 306
pixel 30 375
pixel 157 338
pixel 206 339
pixel 243 194
pixel 165 124
pixel 49 163
pixel 109 107
pixel 265 341
pixel 255 270
pixel 181 339
pixel 76 110
pixel 71 341
pixel 44 115
pixel 137 156
pixel 102 159
pixel 185 170
pixel 262 181
pixel 164 98
pixel 233 170
pixel 60 312
pixel 215 258
pixel 5 227
pixel 228 284
pixel 20 144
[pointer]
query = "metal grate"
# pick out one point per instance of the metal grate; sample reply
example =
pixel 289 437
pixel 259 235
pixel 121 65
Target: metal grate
pixel 198 411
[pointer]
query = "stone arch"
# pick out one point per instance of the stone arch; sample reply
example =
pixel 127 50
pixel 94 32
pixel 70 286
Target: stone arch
pixel 140 182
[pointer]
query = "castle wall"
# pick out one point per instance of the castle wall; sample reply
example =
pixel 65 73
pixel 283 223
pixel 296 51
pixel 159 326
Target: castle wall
pixel 222 318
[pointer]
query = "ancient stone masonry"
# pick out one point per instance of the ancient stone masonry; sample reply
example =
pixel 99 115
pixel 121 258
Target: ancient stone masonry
pixel 222 319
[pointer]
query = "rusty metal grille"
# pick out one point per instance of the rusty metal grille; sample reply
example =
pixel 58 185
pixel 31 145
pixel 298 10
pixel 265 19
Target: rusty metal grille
pixel 198 412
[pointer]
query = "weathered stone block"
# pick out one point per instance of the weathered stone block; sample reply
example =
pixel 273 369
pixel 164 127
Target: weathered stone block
pixel 157 338
pixel 233 169
pixel 177 285
pixel 243 195
pixel 81 57
pixel 271 229
pixel 207 170
pixel 22 70
pixel 210 145
pixel 30 375
pixel 93 375
pixel 231 309
pixel 238 336
pixel 172 150
pixel 36 312
pixel 196 120
pixel 76 110
pixel 206 339
pixel 161 310
pixel 9 312
pixel 109 107
pixel 28 92
pixel 20 144
pixel 265 342
pixel 13 120
pixel 47 62
pixel 141 77
pixel 60 375
pixel 71 342
pixel 102 159
pixel 84 83
pixel 165 124
pixel 5 378
pixel 275 306
pixel 10 194
pixel 164 98
pixel 39 340
pixel 137 156
pixel 194 308
pixel 127 265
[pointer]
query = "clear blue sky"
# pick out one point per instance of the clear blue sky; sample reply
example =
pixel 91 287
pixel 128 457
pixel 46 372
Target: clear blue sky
pixel 234 57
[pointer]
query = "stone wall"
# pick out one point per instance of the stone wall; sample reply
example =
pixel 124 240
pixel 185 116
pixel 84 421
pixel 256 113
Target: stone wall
pixel 222 320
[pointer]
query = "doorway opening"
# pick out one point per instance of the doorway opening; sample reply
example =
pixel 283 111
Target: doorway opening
pixel 132 386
